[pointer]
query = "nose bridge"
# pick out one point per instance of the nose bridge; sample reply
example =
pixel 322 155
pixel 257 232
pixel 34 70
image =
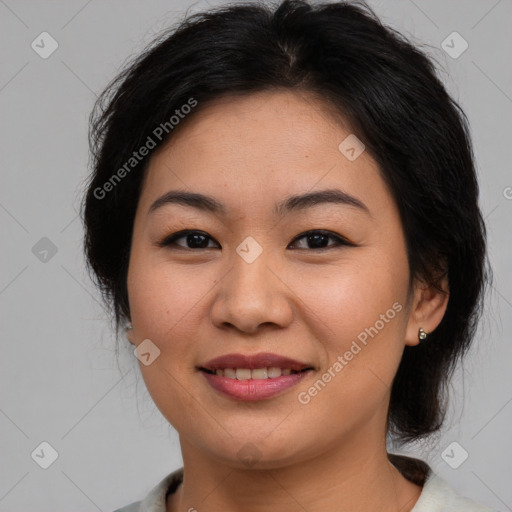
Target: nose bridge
pixel 251 295
pixel 249 274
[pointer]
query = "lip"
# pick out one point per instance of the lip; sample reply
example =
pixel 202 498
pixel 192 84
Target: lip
pixel 253 389
pixel 254 361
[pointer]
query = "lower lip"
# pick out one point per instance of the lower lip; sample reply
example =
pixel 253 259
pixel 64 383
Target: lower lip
pixel 253 389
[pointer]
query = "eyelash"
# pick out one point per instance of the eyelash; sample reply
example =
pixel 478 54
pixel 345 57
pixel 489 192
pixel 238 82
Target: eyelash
pixel 171 239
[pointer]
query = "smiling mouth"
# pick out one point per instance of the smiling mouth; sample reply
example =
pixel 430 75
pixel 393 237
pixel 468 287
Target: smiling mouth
pixel 253 384
pixel 253 377
pixel 272 372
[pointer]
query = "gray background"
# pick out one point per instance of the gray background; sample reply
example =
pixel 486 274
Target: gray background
pixel 59 381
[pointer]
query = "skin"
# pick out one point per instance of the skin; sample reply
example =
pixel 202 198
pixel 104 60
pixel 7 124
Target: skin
pixel 294 300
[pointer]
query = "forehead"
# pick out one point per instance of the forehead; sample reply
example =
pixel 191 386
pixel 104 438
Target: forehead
pixel 277 122
pixel 260 147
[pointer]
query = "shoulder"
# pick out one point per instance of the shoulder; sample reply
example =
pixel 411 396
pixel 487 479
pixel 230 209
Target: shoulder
pixel 156 498
pixel 439 496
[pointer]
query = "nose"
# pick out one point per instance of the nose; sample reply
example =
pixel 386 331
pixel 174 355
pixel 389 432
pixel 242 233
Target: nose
pixel 252 297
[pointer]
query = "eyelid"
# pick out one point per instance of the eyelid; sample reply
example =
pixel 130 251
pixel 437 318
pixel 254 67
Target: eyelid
pixel 169 239
pixel 341 240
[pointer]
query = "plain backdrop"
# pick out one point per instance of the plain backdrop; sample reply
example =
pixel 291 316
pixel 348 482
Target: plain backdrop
pixel 59 379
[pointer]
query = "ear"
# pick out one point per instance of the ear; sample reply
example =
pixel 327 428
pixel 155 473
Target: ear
pixel 130 335
pixel 428 308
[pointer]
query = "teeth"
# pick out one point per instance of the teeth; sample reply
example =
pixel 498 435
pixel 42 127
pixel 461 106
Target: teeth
pixel 274 372
pixel 243 373
pixel 229 373
pixel 258 373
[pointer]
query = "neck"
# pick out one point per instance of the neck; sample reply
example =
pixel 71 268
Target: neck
pixel 354 477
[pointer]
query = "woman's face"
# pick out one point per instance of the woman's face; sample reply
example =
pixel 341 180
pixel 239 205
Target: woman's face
pixel 250 282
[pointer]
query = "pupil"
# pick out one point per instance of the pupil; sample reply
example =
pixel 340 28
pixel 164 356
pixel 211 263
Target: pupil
pixel 315 240
pixel 202 244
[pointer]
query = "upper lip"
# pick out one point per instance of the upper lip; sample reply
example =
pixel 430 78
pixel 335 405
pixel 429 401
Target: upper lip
pixel 254 361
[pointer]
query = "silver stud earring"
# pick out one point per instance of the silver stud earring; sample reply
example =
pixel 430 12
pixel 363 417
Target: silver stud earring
pixel 422 335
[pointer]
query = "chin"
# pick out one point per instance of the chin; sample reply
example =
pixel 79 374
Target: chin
pixel 257 453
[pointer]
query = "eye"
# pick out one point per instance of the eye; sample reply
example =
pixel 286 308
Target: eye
pixel 193 240
pixel 318 239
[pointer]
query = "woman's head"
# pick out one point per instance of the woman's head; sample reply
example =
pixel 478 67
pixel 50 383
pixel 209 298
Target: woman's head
pixel 251 106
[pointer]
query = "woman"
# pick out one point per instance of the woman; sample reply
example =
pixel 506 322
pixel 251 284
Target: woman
pixel 284 209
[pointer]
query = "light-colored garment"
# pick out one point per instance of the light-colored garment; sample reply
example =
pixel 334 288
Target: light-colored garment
pixel 437 496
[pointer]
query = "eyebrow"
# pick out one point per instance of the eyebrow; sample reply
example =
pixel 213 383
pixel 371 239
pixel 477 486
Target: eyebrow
pixel 292 203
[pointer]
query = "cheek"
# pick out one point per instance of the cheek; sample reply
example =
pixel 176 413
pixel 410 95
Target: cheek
pixel 351 295
pixel 360 325
pixel 166 299
pixel 166 307
pixel 359 316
